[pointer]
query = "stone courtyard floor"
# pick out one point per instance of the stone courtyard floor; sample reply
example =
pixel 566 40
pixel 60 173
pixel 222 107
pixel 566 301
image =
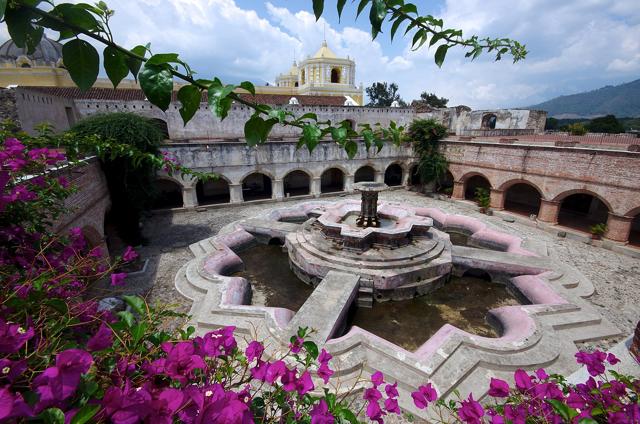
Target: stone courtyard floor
pixel 616 277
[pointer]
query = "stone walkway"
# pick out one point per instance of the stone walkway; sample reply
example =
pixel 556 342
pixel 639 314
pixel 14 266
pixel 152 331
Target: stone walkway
pixel 616 277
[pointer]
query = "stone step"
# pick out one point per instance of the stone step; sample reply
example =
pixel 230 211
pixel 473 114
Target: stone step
pixel 363 290
pixel 365 302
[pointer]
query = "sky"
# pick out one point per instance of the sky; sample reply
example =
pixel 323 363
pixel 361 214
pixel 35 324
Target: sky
pixel 574 45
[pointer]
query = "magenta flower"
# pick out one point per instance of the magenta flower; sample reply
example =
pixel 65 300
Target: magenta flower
pixel 325 373
pixel 304 384
pixel 541 374
pixel 391 406
pixel 129 254
pixel 254 350
pixel 320 413
pixel 117 279
pixel 216 343
pixel 13 337
pixel 498 388
pixel 213 404
pixel 612 359
pixel 13 406
pixel 181 361
pixel 324 357
pixel 391 390
pixel 377 378
pixel 374 412
pixel 424 395
pixel 60 382
pixel 594 361
pixel 523 380
pixel 12 369
pixel 164 407
pixel 471 411
pixel 101 340
pixel 296 345
pixel 128 405
pixel 372 394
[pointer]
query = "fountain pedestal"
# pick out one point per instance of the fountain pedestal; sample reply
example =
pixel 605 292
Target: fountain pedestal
pixel 369 205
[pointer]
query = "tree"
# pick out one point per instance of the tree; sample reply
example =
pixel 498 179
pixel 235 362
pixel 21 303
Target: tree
pixel 551 124
pixel 382 94
pixel 606 124
pixel 431 100
pixel 576 129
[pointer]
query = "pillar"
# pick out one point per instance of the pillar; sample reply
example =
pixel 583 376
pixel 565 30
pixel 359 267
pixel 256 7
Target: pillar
pixel 277 190
pixel 406 177
pixel 618 227
pixel 635 343
pixel 316 186
pixel 497 199
pixel 348 183
pixel 189 197
pixel 458 190
pixel 379 177
pixel 235 193
pixel 549 211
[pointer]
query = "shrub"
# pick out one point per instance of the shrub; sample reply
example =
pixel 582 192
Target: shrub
pixel 598 229
pixel 425 135
pixel 576 129
pixel 483 197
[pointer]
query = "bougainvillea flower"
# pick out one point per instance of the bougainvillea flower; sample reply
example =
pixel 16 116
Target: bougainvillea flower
pixel 424 395
pixel 129 254
pixel 391 406
pixel 523 380
pixel 128 405
pixel 13 336
pixel 164 407
pixel 498 388
pixel 372 394
pixel 102 339
pixel 13 406
pixel 374 412
pixel 391 390
pixel 320 413
pixel 216 343
pixel 117 278
pixel 325 373
pixel 471 411
pixel 60 382
pixel 254 350
pixel 377 378
pixel 12 369
pixel 181 361
pixel 296 345
pixel 594 361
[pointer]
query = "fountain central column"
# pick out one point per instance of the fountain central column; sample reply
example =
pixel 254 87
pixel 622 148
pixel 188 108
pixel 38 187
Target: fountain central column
pixel 369 204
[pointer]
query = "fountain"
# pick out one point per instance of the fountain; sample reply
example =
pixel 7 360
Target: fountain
pixel 369 203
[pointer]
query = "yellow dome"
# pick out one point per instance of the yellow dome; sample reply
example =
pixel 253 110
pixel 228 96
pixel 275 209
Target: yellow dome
pixel 325 52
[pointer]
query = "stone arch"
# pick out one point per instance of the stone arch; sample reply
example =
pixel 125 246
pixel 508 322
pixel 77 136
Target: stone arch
pixel 212 192
pixel 335 75
pixel 489 121
pixel 257 185
pixel 168 193
pixel 560 197
pixel 522 197
pixel 472 181
pixel 352 123
pixel 393 174
pixel 364 173
pixel 332 180
pixel 444 184
pixel 296 183
pixel 580 209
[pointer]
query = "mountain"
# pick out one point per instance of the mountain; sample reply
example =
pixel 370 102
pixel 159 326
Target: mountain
pixel 621 100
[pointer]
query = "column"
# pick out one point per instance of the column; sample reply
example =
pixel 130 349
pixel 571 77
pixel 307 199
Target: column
pixel 618 228
pixel 316 186
pixel 348 183
pixel 458 190
pixel 277 190
pixel 635 342
pixel 235 193
pixel 379 177
pixel 406 177
pixel 549 211
pixel 497 199
pixel 189 197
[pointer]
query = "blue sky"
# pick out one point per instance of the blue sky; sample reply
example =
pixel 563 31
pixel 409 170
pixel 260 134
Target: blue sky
pixel 575 45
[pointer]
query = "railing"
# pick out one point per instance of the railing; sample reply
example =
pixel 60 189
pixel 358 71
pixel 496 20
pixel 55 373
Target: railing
pixel 587 139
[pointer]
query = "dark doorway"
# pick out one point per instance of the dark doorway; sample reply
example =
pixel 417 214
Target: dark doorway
pixel 393 175
pixel 634 235
pixel 522 198
pixel 335 75
pixel 296 183
pixel 473 183
pixel 256 186
pixel 332 180
pixel 414 178
pixel 581 211
pixel 489 121
pixel 213 192
pixel 445 184
pixel 168 194
pixel 366 173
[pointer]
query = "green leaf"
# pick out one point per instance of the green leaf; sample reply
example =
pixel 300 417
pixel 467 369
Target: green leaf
pixel 3 6
pixel 136 303
pixel 190 98
pixel 278 114
pixel 135 64
pixel 85 414
pixel 157 84
pixel 115 64
pixel 339 134
pixel 587 421
pixel 248 86
pixel 52 416
pixel 340 6
pixel 396 25
pixel 376 16
pixel 21 31
pixel 311 348
pixel 137 331
pixel 82 61
pixel 351 147
pixel 361 6
pixel 311 136
pixel 58 304
pixel 219 102
pixel 127 317
pixel 161 58
pixel 441 52
pixel 77 16
pixel 563 410
pixel 308 116
pixel 256 129
pixel 436 37
pixel 318 7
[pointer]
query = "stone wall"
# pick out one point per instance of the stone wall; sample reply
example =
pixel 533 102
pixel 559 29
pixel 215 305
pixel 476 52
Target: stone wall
pixel 34 108
pixel 463 121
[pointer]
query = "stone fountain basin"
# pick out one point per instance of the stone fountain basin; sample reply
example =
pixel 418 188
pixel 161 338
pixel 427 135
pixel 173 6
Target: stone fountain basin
pixel 405 223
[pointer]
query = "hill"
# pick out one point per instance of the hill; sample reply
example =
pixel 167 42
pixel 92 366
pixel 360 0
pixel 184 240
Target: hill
pixel 621 100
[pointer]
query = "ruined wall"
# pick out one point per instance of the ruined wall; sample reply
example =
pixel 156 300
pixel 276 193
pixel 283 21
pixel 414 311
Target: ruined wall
pixel 464 121
pixel 34 108
pixel 555 171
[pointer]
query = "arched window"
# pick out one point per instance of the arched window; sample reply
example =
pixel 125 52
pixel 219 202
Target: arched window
pixel 168 194
pixel 332 180
pixel 296 183
pixel 393 175
pixel 634 235
pixel 295 84
pixel 522 198
pixel 256 186
pixel 366 173
pixel 472 184
pixel 213 192
pixel 489 121
pixel 25 65
pixel 581 211
pixel 335 75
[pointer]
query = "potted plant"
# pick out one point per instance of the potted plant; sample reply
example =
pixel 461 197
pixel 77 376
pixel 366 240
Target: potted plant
pixel 483 199
pixel 598 230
